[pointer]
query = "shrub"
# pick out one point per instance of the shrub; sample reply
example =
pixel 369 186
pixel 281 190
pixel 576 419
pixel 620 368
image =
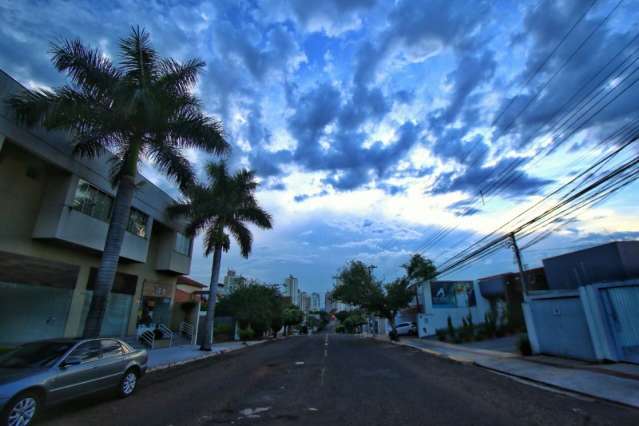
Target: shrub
pixel 451 329
pixel 340 329
pixel 524 345
pixel 490 324
pixel 441 334
pixel 223 329
pixel 247 333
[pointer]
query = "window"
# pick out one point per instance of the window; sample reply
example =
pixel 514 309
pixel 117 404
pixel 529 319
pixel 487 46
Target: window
pixel 87 352
pixel 92 202
pixel 34 355
pixel 111 348
pixel 137 223
pixel 182 244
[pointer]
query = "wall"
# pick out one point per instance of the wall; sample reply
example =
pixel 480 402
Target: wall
pixel 561 326
pixel 23 180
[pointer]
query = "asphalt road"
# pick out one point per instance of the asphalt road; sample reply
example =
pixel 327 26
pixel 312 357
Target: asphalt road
pixel 335 380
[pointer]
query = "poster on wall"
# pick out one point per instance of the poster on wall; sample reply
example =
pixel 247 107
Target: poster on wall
pixel 452 294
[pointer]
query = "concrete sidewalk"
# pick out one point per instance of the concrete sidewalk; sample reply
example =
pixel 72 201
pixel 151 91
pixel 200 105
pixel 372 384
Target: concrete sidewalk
pixel 160 359
pixel 594 381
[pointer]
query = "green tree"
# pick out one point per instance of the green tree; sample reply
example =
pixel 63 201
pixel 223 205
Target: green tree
pixel 292 316
pixel 357 286
pixel 140 108
pixel 254 306
pixel 222 207
pixel 419 270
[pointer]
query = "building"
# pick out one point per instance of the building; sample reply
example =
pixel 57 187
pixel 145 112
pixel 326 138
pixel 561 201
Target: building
pixel 291 289
pixel 328 302
pixel 440 300
pixel 591 311
pixel 315 302
pixel 53 225
pixel 231 282
pixel 305 302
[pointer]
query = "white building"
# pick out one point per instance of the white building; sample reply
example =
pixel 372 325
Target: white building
pixel 291 289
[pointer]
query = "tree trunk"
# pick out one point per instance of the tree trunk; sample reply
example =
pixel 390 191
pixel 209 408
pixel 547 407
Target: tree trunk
pixel 391 319
pixel 110 256
pixel 210 311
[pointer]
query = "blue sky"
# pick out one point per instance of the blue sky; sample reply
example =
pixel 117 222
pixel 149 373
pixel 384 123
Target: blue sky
pixel 371 124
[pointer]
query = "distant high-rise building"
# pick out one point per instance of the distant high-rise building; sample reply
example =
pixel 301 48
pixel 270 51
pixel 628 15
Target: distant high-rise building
pixel 232 281
pixel 328 302
pixel 315 302
pixel 291 290
pixel 305 302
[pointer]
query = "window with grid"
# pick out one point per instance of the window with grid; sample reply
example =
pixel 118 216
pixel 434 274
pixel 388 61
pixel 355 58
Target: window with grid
pixel 182 244
pixel 137 223
pixel 92 202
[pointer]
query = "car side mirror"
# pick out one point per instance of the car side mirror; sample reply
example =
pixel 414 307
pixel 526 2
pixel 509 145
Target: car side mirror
pixel 71 360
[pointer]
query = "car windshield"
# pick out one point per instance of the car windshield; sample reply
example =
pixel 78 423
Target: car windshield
pixel 33 355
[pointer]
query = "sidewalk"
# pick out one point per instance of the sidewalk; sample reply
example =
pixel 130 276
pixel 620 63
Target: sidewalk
pixel 160 359
pixel 616 383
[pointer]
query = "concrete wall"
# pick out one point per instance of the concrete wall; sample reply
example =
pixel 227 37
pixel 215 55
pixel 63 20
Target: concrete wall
pixel 605 263
pixel 434 318
pixel 561 326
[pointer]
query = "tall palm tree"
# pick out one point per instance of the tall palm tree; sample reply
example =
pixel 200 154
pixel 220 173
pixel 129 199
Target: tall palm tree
pixel 223 206
pixel 141 108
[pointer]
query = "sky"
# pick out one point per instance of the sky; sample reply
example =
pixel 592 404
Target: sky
pixel 372 124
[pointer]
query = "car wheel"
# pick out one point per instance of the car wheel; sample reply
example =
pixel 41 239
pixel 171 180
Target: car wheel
pixel 129 383
pixel 22 410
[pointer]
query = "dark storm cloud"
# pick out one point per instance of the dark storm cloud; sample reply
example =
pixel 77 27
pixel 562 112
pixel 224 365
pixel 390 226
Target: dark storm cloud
pixel 489 179
pixel 582 70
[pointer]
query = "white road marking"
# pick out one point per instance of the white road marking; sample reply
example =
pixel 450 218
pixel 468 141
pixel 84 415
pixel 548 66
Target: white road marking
pixel 322 376
pixel 299 363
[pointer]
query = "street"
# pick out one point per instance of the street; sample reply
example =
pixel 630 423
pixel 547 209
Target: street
pixel 335 379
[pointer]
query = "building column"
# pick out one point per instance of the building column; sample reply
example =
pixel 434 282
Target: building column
pixel 74 326
pixel 137 300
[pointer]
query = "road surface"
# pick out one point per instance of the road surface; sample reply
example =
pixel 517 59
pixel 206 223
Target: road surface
pixel 335 380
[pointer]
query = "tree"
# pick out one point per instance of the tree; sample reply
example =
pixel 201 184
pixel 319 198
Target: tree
pixel 254 306
pixel 357 286
pixel 220 209
pixel 419 270
pixel 291 316
pixel 141 108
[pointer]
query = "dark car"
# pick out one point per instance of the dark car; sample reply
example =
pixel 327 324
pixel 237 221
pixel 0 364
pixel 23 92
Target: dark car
pixel 51 371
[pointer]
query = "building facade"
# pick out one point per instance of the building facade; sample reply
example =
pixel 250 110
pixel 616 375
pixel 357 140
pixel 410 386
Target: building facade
pixel 53 225
pixel 315 302
pixel 291 289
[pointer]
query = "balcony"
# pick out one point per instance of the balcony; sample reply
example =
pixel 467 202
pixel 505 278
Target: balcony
pixel 166 248
pixel 58 220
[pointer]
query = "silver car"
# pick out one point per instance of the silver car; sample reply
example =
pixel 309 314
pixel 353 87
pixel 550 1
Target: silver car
pixel 50 371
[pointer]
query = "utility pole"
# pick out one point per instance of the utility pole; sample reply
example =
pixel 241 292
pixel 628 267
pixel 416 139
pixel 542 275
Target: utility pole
pixel 522 275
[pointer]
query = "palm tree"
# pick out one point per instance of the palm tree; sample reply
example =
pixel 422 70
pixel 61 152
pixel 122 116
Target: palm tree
pixel 142 108
pixel 224 206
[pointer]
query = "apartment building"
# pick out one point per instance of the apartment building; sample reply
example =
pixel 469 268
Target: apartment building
pixel 291 289
pixel 315 302
pixel 53 223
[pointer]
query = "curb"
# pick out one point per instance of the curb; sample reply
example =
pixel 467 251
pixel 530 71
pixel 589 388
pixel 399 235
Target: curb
pixel 550 385
pixel 428 351
pixel 199 358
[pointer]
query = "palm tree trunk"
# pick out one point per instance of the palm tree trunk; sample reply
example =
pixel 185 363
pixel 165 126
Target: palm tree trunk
pixel 110 256
pixel 210 311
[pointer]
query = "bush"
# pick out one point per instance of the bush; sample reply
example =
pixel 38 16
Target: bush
pixel 340 329
pixel 226 329
pixel 247 333
pixel 451 330
pixel 524 345
pixel 441 334
pixel 490 324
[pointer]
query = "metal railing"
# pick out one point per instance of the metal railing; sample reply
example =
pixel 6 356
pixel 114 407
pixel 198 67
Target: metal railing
pixel 186 329
pixel 148 338
pixel 166 331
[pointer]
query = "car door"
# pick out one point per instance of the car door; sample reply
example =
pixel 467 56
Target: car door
pixel 113 362
pixel 77 372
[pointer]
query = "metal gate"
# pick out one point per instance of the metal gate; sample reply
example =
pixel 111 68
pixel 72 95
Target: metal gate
pixel 622 308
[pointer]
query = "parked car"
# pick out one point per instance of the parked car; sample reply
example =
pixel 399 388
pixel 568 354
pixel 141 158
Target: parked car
pixel 406 329
pixel 51 371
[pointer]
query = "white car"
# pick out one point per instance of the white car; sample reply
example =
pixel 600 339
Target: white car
pixel 406 329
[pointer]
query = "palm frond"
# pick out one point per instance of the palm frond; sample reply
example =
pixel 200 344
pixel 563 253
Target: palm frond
pixel 137 58
pixel 189 128
pixel 172 163
pixel 88 68
pixel 242 235
pixel 177 78
pixel 256 215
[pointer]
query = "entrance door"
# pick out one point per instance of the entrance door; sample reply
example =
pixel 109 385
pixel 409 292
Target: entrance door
pixel 622 308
